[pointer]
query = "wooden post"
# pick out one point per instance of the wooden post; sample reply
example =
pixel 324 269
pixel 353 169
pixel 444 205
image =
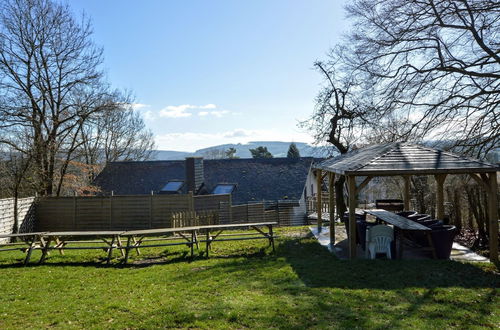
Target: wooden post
pixel 191 201
pixel 331 195
pixel 351 182
pixel 318 199
pixel 440 195
pixel 151 210
pixel 74 211
pixel 111 210
pixel 407 192
pixel 493 215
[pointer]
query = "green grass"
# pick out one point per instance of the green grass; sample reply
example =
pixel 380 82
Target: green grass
pixel 244 285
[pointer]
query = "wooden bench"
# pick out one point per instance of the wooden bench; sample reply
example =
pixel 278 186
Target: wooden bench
pixel 28 243
pixel 62 239
pixel 401 226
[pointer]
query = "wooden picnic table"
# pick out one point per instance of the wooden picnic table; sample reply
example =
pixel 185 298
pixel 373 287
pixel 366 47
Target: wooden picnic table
pixel 32 240
pixel 135 238
pixel 221 228
pixel 401 226
pixel 62 239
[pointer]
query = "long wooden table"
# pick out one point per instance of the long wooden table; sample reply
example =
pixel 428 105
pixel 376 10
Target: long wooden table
pixel 47 241
pixel 401 226
pixel 28 243
pixel 62 239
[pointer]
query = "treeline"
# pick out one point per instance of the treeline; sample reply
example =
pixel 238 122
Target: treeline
pixel 59 118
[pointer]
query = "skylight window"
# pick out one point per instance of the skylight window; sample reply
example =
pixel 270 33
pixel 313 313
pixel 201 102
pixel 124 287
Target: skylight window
pixel 223 189
pixel 173 186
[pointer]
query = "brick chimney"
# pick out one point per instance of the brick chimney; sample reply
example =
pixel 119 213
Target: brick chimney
pixel 194 173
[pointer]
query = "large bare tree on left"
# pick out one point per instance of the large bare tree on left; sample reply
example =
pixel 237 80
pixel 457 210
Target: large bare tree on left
pixel 51 85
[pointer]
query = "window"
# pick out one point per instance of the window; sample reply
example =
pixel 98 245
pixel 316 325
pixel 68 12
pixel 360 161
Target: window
pixel 223 189
pixel 173 186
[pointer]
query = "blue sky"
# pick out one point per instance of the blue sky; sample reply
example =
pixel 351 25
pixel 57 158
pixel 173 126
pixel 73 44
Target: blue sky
pixel 212 72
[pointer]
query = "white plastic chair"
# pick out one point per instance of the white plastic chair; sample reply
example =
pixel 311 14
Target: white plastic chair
pixel 378 240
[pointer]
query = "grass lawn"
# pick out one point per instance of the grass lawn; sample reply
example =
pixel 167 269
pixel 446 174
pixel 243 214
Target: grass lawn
pixel 244 285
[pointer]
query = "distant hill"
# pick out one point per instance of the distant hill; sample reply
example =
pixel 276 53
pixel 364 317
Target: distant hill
pixel 276 148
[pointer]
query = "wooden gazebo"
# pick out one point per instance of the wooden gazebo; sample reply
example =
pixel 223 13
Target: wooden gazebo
pixel 405 160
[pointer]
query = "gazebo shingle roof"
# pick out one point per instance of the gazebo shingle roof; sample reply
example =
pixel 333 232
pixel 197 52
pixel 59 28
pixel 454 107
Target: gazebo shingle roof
pixel 403 158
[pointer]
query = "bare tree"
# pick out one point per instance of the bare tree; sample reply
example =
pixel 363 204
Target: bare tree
pixel 433 64
pixel 53 96
pixel 342 111
pixel 116 134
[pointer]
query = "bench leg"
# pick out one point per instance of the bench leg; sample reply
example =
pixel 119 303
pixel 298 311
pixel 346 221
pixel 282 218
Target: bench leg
pixel 58 243
pixel 127 250
pixel 196 240
pixel 120 245
pixel 29 251
pixel 136 246
pixel 271 237
pixel 110 250
pixel 45 250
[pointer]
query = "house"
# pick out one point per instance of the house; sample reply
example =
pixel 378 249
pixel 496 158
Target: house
pixel 247 180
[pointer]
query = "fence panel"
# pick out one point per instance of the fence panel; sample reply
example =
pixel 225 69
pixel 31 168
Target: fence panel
pixel 156 211
pixel 25 215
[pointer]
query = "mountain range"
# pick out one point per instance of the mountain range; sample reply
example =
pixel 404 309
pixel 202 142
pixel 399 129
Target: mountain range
pixel 276 148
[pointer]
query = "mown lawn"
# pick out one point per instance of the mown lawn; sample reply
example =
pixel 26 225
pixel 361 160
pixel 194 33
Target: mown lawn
pixel 244 285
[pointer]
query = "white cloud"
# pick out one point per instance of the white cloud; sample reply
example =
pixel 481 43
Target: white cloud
pixel 219 113
pixel 138 106
pixel 203 113
pixel 180 111
pixel 148 115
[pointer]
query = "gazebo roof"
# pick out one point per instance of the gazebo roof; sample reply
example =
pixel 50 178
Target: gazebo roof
pixel 403 158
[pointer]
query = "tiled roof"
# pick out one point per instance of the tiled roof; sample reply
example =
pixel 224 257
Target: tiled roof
pixel 403 158
pixel 255 179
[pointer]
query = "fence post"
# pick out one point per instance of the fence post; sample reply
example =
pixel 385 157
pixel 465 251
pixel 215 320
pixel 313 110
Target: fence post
pixel 191 201
pixel 278 211
pixel 230 209
pixel 151 210
pixel 111 210
pixel 74 211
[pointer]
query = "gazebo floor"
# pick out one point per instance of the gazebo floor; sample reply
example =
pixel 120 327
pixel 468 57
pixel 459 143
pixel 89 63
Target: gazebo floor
pixel 458 252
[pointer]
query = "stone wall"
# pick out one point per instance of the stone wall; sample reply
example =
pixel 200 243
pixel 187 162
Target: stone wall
pixel 25 211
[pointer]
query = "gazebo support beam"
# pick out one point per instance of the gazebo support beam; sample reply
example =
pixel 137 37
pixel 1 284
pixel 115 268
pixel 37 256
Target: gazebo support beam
pixel 440 195
pixel 331 204
pixel 406 196
pixel 351 183
pixel 319 205
pixel 493 215
pixel 484 184
pixel 363 184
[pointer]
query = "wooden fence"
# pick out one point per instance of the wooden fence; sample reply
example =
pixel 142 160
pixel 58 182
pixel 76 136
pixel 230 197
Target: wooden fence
pixel 25 215
pixel 118 212
pixel 312 203
pixel 157 211
pixel 195 218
